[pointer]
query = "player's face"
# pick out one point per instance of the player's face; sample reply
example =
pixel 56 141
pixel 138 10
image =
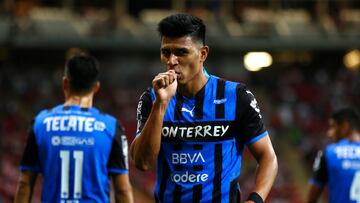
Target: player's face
pixel 333 131
pixel 183 55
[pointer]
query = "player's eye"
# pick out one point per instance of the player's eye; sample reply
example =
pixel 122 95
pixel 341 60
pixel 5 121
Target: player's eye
pixel 181 52
pixel 165 52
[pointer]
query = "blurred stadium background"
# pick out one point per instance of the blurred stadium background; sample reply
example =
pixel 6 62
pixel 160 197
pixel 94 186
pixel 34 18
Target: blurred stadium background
pixel 312 54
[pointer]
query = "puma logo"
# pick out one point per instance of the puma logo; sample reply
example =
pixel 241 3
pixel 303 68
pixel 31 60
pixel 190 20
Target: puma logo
pixel 189 111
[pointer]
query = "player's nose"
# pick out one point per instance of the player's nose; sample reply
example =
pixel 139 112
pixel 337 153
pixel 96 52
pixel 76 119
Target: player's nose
pixel 172 60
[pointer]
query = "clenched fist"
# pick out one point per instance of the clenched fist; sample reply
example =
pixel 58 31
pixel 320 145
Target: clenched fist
pixel 165 85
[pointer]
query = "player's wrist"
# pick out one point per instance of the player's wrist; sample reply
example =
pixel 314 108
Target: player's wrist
pixel 255 197
pixel 162 103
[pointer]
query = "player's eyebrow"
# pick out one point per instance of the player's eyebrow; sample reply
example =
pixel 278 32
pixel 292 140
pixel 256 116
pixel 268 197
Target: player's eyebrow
pixel 182 49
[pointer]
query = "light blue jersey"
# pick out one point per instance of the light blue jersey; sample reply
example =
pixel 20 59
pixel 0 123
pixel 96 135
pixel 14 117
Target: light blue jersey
pixel 75 149
pixel 339 167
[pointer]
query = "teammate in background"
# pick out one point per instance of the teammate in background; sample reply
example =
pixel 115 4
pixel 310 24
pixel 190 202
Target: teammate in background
pixel 75 146
pixel 196 125
pixel 338 165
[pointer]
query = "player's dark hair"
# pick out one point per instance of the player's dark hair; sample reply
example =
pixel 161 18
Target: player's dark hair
pixel 82 70
pixel 349 115
pixel 180 25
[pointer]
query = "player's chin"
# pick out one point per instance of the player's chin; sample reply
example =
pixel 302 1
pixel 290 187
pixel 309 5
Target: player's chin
pixel 181 81
pixel 180 78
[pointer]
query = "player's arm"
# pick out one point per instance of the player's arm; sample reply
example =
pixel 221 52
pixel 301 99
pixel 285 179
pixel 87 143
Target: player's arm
pixel 118 166
pixel 29 170
pixel 265 156
pixel 255 136
pixel 25 187
pixel 122 188
pixel 314 193
pixel 146 146
pixel 319 179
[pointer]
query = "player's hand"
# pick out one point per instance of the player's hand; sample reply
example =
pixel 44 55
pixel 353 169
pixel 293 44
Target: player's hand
pixel 165 85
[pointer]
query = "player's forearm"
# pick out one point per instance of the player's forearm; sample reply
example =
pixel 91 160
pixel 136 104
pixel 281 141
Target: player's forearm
pixel 23 192
pixel 266 173
pixel 124 196
pixel 314 194
pixel 145 148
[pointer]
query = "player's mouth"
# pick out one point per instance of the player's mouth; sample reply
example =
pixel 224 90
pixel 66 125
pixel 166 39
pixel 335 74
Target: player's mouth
pixel 178 75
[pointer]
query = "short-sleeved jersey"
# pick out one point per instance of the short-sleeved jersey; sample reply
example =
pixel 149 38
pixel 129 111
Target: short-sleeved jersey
pixel 75 149
pixel 202 141
pixel 339 167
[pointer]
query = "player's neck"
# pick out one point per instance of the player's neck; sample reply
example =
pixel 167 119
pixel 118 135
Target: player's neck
pixel 84 101
pixel 354 137
pixel 191 88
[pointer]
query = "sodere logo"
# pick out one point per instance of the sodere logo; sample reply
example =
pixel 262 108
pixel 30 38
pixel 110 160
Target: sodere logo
pixel 189 177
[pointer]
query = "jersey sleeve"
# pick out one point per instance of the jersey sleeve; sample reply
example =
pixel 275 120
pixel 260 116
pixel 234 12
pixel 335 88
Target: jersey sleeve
pixel 118 160
pixel 319 177
pixel 143 110
pixel 30 158
pixel 250 125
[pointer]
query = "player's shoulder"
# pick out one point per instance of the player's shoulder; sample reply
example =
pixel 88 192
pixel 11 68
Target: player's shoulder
pixel 240 88
pixel 332 147
pixel 230 85
pixel 44 113
pixel 111 122
pixel 148 95
pixel 48 112
pixel 102 115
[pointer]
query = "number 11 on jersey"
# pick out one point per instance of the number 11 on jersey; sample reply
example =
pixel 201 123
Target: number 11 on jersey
pixel 65 170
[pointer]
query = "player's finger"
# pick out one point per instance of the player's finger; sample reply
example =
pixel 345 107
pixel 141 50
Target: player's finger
pixel 172 76
pixel 159 81
pixel 166 80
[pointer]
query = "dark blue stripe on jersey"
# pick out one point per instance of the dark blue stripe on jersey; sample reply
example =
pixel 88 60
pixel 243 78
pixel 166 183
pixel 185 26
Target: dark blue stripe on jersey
pixel 206 131
pixel 220 94
pixel 84 109
pixel 199 104
pixel 198 167
pixel 177 147
pixel 177 194
pixel 239 109
pixel 162 188
pixel 234 193
pixel 198 147
pixel 178 106
pixel 178 167
pixel 216 194
pixel 197 193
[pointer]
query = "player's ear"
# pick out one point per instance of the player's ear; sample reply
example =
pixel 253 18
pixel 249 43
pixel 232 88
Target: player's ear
pixel 66 84
pixel 204 53
pixel 96 87
pixel 344 128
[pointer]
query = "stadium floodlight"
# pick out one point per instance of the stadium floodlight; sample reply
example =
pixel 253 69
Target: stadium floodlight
pixel 352 60
pixel 255 61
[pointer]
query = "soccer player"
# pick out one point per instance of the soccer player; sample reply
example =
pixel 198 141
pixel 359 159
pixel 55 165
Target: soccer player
pixel 196 125
pixel 75 146
pixel 338 166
